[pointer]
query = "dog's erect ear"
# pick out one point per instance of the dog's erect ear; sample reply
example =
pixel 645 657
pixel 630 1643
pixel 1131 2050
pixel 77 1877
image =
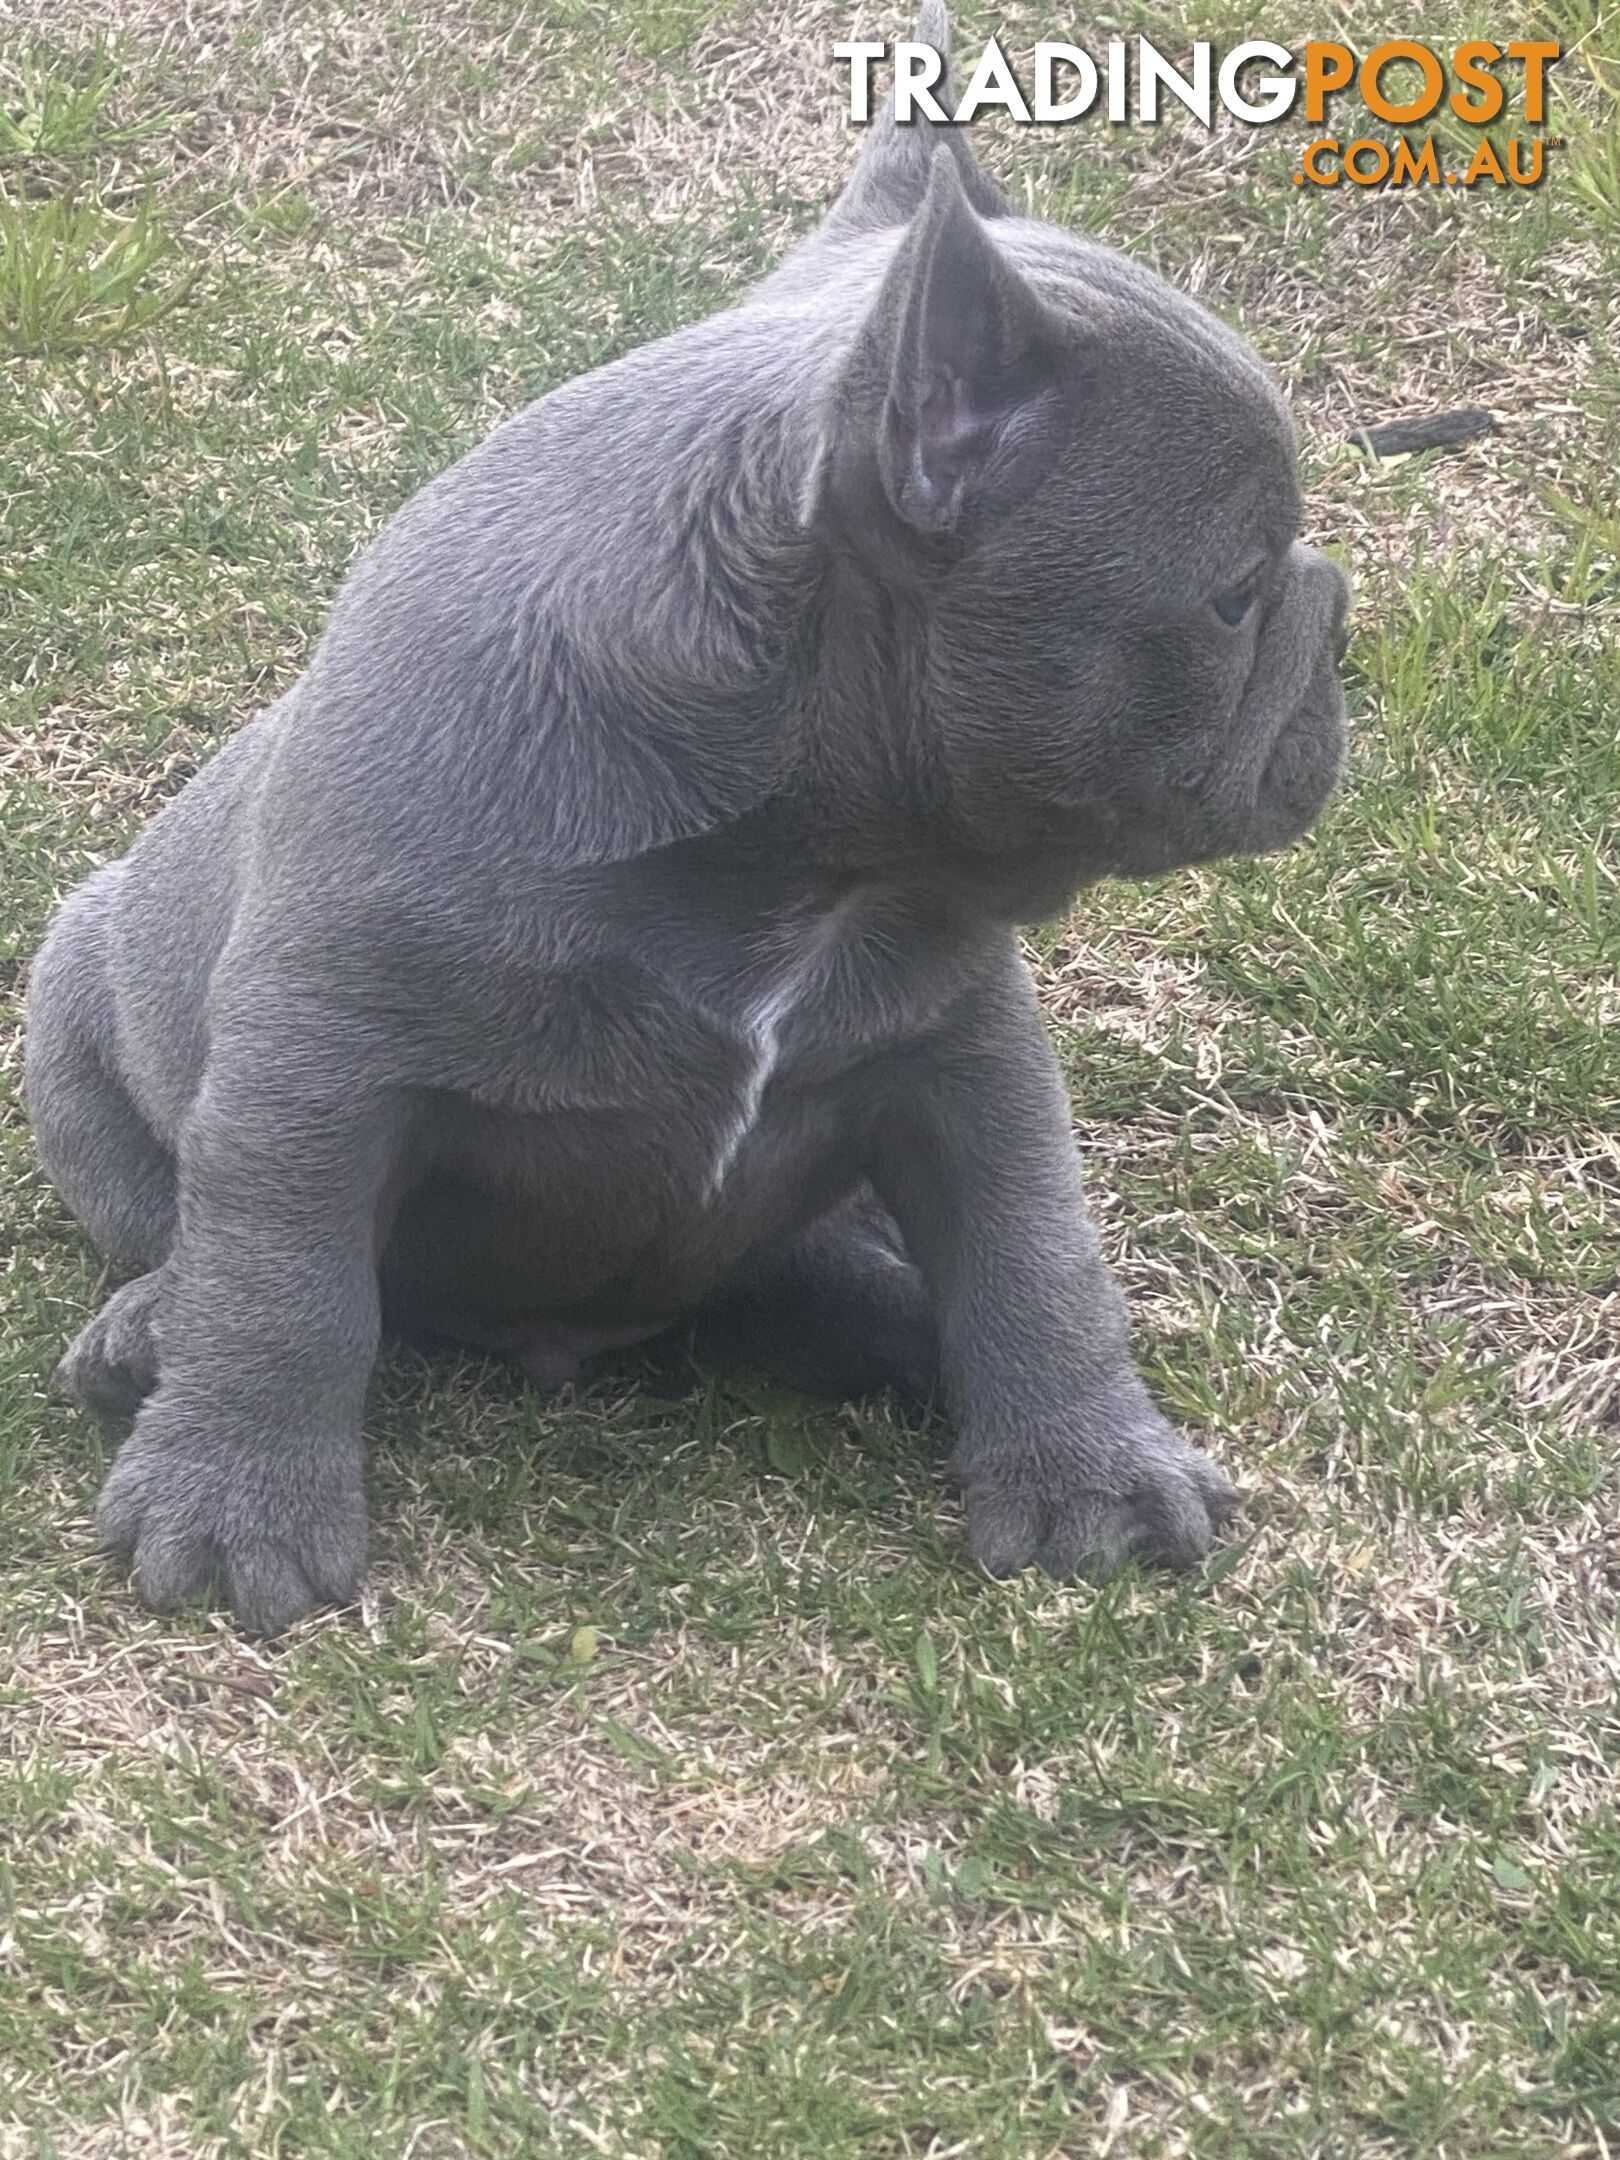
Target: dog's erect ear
pixel 891 179
pixel 957 394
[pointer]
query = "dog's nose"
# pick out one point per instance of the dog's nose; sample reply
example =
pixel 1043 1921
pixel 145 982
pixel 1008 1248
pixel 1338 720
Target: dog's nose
pixel 1341 609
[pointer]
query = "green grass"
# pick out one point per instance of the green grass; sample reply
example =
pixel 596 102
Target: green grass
pixel 679 1789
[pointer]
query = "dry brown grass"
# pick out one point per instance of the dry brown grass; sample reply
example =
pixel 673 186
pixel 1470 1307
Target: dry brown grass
pixel 663 1784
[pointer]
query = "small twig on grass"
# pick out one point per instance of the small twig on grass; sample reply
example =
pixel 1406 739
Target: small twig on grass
pixel 1432 431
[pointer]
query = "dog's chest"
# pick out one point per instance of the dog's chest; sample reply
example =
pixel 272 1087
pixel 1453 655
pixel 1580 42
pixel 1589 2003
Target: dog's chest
pixel 696 1071
pixel 804 992
pixel 689 1094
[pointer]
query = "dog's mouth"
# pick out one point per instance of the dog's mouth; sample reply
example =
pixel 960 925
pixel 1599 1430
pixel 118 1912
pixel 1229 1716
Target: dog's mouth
pixel 1299 758
pixel 1300 773
pixel 1290 777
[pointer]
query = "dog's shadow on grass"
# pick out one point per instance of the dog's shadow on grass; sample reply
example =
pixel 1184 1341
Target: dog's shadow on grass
pixel 645 1442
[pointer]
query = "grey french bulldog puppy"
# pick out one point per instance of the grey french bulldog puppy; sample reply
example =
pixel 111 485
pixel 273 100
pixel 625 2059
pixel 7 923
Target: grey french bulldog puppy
pixel 614 928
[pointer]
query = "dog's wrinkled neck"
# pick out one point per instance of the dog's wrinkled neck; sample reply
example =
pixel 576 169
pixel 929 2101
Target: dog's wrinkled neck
pixel 875 751
pixel 880 785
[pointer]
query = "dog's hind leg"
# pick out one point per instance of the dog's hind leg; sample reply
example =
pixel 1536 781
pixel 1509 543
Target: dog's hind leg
pixel 97 1149
pixel 99 1153
pixel 839 1311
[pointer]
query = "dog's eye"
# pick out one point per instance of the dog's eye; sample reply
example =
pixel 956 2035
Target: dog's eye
pixel 1232 606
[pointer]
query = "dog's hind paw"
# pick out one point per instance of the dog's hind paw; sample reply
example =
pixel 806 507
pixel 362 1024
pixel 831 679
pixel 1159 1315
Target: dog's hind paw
pixel 111 1366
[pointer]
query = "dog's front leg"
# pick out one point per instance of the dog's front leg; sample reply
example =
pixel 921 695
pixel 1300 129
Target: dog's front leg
pixel 1062 1458
pixel 243 1471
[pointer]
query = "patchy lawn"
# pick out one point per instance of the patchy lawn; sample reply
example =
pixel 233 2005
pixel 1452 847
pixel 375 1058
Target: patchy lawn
pixel 679 1790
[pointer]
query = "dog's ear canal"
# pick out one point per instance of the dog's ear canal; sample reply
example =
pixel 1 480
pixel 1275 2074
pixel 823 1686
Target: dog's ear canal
pixel 956 397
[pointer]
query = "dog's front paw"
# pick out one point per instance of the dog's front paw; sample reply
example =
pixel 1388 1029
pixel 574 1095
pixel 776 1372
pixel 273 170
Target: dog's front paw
pixel 273 1524
pixel 1084 1505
